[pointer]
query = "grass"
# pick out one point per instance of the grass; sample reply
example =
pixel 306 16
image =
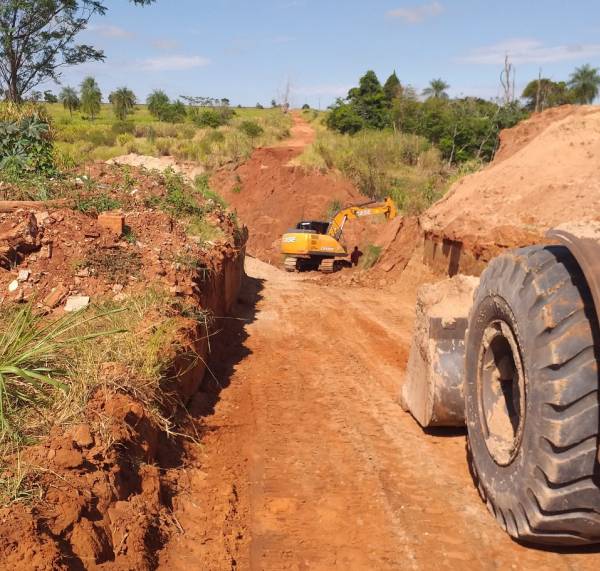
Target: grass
pixel 370 257
pixel 96 204
pixel 51 367
pixel 79 140
pixel 383 163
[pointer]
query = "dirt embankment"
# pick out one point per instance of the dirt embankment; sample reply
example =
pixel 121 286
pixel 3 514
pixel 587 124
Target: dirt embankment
pixel 99 493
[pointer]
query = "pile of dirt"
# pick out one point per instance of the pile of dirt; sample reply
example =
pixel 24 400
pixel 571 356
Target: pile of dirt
pixel 99 494
pixel 546 173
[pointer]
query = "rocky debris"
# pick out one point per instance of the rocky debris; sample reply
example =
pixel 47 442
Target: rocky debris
pixel 55 297
pixel 23 275
pixel 76 303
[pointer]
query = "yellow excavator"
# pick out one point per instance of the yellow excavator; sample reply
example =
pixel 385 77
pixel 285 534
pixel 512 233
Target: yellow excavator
pixel 314 245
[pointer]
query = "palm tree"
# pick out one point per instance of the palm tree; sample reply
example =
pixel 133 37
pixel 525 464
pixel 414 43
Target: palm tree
pixel 123 101
pixel 68 97
pixel 585 84
pixel 91 97
pixel 437 89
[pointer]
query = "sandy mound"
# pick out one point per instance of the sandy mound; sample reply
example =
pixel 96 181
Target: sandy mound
pixel 191 170
pixel 546 174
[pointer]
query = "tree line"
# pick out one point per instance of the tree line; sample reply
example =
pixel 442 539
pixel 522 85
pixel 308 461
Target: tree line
pixel 463 128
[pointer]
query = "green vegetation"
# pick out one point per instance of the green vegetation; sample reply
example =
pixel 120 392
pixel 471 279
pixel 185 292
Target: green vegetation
pixel 91 97
pixel 585 83
pixel 25 141
pixel 463 129
pixel 123 101
pixel 370 257
pixel 383 163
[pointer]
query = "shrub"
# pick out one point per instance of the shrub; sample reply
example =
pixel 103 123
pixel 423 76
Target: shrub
pixel 125 139
pixel 251 129
pixel 25 140
pixel 209 118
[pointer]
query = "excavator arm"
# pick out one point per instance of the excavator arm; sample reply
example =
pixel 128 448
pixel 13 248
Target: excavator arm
pixel 336 227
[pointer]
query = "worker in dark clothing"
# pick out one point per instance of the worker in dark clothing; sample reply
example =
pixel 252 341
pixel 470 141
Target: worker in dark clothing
pixel 355 256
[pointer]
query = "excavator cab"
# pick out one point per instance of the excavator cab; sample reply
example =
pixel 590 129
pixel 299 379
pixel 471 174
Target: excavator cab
pixel 313 227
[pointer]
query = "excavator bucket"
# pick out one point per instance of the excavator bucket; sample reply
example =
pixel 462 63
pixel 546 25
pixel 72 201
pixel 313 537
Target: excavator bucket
pixel 432 390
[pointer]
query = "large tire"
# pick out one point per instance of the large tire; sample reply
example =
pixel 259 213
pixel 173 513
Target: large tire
pixel 531 396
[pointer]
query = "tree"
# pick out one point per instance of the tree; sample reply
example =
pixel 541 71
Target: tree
pixel 157 101
pixel 123 101
pixel 543 93
pixel 306 106
pixel 38 39
pixel 585 84
pixel 91 97
pixel 392 87
pixel 344 118
pixel 70 100
pixel 49 97
pixel 437 89
pixel 369 102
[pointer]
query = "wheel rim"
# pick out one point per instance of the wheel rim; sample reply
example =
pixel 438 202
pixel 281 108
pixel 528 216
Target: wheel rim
pixel 501 392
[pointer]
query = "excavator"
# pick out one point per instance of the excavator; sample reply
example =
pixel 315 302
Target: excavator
pixel 314 245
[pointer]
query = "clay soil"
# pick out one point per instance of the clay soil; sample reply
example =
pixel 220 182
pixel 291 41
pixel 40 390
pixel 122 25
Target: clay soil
pixel 307 459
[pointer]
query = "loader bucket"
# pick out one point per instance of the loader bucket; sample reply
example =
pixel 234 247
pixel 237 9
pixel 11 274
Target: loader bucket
pixel 433 384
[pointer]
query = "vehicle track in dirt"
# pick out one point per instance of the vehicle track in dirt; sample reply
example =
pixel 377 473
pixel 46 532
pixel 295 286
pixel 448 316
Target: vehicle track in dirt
pixel 308 461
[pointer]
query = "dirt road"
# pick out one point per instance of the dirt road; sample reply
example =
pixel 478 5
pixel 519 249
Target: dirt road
pixel 308 462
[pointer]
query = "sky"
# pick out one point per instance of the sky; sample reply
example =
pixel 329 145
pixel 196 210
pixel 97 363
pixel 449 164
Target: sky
pixel 249 51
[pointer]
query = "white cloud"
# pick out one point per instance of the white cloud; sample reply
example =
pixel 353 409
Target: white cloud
pixel 174 63
pixel 165 44
pixel 110 31
pixel 417 14
pixel 527 50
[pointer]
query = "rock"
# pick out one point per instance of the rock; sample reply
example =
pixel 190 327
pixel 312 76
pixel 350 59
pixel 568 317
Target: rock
pixel 83 273
pixel 46 251
pixel 68 458
pixel 55 297
pixel 113 222
pixel 82 436
pixel 42 218
pixel 117 288
pixel 77 303
pixel 13 286
pixel 23 275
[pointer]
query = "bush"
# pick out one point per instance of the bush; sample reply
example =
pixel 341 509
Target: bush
pixel 251 128
pixel 212 118
pixel 25 140
pixel 383 163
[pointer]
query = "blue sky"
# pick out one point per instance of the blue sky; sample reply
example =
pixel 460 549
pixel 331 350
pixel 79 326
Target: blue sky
pixel 249 50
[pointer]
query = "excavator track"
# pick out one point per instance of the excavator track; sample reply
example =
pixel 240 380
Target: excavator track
pixel 290 264
pixel 328 266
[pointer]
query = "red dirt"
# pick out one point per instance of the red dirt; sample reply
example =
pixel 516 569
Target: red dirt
pixel 106 486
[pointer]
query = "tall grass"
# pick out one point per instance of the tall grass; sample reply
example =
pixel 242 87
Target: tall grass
pixel 383 163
